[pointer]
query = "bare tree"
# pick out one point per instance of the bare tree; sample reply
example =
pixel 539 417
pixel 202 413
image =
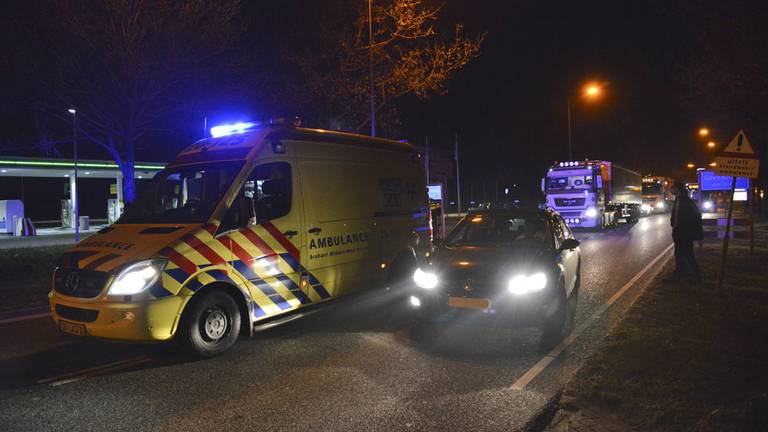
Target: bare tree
pixel 411 56
pixel 127 65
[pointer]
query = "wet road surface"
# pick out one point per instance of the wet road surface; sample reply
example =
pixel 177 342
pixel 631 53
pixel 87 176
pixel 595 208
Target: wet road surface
pixel 359 364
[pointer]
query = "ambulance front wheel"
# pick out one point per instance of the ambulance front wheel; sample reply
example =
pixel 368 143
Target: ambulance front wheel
pixel 210 324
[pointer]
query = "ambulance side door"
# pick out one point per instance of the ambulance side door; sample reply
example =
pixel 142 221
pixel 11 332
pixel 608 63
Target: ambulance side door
pixel 268 237
pixel 338 196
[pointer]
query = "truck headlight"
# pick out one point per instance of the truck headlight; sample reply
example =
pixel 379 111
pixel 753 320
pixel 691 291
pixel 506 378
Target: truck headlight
pixel 523 284
pixel 591 212
pixel 137 277
pixel 424 279
pixel 660 205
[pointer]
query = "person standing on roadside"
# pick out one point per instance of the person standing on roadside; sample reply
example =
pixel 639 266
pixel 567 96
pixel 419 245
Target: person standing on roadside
pixel 686 227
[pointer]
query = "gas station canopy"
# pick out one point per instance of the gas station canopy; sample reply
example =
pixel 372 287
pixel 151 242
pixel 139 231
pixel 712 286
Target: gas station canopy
pixel 87 168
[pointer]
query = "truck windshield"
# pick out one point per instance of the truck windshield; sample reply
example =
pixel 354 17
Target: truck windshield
pixel 187 194
pixel 651 188
pixel 497 230
pixel 572 182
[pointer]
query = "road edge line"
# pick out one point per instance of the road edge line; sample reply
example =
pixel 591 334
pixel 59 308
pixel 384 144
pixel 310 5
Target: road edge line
pixel 542 364
pixel 115 364
pixel 24 318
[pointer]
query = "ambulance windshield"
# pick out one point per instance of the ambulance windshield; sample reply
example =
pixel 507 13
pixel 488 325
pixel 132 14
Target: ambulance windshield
pixel 186 194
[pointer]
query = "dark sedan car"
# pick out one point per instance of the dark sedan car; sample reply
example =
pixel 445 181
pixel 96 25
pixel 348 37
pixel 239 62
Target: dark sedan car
pixel 510 268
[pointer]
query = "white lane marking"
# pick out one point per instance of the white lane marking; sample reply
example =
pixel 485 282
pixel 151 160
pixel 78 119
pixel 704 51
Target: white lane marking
pixel 92 371
pixel 542 364
pixel 24 318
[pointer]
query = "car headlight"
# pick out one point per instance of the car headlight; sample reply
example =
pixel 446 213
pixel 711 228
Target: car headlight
pixel 660 205
pixel 591 212
pixel 424 279
pixel 137 277
pixel 522 284
pixel 646 208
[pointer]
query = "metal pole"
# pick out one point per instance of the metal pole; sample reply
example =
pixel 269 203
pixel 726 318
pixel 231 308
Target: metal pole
pixel 570 144
pixel 426 158
pixel 77 192
pixel 458 182
pixel 723 258
pixel 370 63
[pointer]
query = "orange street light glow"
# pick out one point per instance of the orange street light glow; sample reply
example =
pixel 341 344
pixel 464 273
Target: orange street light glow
pixel 711 144
pixel 690 165
pixel 713 164
pixel 703 132
pixel 592 90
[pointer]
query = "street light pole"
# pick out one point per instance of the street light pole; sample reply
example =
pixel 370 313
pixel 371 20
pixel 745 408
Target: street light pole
pixel 570 144
pixel 75 193
pixel 370 65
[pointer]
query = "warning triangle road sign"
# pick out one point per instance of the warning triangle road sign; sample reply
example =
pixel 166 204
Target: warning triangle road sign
pixel 739 145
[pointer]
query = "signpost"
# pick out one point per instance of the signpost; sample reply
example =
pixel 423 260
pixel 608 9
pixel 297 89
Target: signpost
pixel 737 159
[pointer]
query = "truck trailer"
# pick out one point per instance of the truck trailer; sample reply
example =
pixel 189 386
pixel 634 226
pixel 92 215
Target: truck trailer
pixel 593 193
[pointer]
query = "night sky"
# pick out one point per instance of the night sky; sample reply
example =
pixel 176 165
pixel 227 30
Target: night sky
pixel 669 67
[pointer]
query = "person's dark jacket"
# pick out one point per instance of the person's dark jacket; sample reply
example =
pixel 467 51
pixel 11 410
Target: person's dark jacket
pixel 686 220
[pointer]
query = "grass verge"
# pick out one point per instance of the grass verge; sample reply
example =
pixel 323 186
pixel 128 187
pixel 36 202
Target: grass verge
pixel 686 359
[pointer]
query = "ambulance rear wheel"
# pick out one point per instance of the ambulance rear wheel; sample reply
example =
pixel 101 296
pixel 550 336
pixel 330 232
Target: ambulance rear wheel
pixel 211 324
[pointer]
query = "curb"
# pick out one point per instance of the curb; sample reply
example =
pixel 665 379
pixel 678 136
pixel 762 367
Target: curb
pixel 542 420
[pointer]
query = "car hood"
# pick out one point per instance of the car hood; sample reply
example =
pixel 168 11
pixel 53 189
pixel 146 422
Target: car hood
pixel 120 244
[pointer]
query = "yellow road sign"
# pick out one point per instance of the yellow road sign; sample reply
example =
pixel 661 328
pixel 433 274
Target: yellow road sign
pixel 738 158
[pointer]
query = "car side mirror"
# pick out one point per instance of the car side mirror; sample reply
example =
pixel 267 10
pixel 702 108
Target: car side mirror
pixel 569 244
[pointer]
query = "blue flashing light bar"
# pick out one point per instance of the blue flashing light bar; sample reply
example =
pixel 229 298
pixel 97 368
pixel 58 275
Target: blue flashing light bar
pixel 230 129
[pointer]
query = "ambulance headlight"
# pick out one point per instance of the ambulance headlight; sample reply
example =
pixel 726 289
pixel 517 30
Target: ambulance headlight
pixel 424 279
pixel 591 212
pixel 524 284
pixel 137 277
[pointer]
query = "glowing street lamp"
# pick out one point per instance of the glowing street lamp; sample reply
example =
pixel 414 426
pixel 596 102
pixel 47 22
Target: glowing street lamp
pixel 691 165
pixel 703 132
pixel 711 144
pixel 589 91
pixel 592 90
pixel 713 164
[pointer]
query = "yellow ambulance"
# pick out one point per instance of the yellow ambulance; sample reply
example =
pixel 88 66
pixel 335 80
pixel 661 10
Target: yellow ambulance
pixel 256 222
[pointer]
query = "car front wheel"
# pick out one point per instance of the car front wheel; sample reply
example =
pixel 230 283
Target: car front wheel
pixel 210 325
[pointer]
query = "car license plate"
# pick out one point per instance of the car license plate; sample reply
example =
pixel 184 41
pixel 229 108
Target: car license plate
pixel 469 303
pixel 72 328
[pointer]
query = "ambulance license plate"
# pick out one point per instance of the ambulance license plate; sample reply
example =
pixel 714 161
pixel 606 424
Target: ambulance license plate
pixel 72 328
pixel 469 303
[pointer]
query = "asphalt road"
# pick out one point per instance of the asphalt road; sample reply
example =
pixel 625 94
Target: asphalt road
pixel 359 365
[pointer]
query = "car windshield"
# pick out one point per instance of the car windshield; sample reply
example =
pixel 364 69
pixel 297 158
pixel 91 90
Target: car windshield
pixel 580 182
pixel 497 230
pixel 187 194
pixel 651 188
